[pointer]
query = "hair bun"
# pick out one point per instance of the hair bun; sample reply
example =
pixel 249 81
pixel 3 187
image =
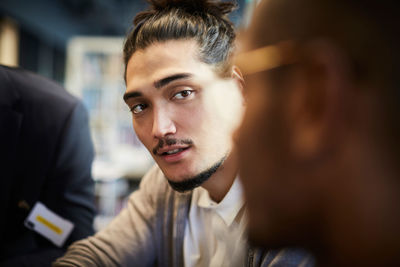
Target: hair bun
pixel 216 8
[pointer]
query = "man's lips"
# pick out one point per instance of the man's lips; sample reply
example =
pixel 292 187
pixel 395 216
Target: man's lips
pixel 168 144
pixel 171 150
pixel 173 154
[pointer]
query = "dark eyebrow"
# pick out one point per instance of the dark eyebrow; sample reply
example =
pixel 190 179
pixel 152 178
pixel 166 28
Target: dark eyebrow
pixel 159 84
pixel 131 95
pixel 163 82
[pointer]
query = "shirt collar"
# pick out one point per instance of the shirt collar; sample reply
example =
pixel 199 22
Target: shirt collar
pixel 230 205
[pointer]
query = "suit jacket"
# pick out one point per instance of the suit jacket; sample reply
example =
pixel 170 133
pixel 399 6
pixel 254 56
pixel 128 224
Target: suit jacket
pixel 45 155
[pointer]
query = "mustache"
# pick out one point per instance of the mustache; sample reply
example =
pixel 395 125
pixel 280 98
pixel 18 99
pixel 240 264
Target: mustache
pixel 170 142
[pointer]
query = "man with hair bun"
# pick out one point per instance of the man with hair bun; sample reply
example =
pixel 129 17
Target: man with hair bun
pixel 186 100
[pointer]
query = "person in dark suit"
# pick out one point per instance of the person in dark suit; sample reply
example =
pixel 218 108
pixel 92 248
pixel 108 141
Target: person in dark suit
pixel 45 154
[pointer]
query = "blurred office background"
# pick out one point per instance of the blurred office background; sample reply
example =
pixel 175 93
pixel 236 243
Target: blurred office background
pixel 78 43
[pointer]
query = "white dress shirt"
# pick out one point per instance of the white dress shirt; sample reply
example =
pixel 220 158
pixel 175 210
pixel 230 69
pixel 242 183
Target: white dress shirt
pixel 215 232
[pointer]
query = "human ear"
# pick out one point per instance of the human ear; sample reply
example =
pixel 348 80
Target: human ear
pixel 316 99
pixel 238 79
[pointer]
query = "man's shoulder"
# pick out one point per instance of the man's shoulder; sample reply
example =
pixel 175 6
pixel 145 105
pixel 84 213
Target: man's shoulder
pixel 282 257
pixel 155 183
pixel 155 179
pixel 34 90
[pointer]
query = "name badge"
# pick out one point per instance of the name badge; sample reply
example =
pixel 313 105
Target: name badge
pixel 48 224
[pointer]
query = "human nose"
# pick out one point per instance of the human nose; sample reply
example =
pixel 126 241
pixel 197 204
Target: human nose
pixel 163 124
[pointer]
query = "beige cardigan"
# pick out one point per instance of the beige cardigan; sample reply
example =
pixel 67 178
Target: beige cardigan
pixel 150 232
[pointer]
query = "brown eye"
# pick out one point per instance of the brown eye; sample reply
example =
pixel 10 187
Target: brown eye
pixel 183 94
pixel 136 109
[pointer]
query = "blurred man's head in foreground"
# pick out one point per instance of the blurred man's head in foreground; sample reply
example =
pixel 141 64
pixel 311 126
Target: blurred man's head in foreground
pixel 320 138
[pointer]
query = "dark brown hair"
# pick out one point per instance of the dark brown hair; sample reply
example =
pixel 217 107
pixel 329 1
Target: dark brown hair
pixel 205 21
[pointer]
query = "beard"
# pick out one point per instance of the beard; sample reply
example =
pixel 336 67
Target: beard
pixel 195 181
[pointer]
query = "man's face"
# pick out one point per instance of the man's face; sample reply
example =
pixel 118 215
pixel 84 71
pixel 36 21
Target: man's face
pixel 183 112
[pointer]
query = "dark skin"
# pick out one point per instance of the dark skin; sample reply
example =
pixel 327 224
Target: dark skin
pixel 323 175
